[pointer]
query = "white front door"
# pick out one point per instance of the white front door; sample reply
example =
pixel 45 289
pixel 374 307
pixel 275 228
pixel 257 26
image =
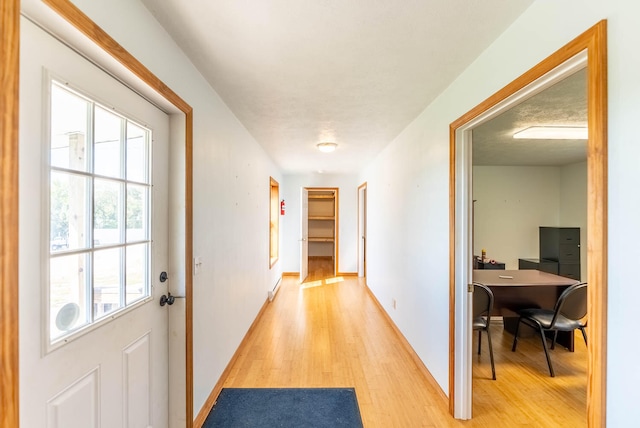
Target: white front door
pixel 304 234
pixel 93 338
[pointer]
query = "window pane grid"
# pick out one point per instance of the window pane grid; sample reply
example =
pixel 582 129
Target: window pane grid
pixel 99 213
pixel 88 174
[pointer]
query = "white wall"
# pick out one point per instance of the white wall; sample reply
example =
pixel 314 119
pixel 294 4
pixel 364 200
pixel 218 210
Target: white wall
pixel 573 206
pixel 348 218
pixel 230 195
pixel 410 260
pixel 408 236
pixel 511 204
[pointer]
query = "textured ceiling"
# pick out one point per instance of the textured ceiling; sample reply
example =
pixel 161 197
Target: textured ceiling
pixel 354 72
pixel 564 103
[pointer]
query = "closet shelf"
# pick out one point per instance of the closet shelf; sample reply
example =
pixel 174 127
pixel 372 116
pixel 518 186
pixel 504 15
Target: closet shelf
pixel 321 196
pixel 320 217
pixel 320 239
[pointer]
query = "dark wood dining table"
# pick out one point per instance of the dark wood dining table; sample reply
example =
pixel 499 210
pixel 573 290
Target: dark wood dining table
pixel 518 289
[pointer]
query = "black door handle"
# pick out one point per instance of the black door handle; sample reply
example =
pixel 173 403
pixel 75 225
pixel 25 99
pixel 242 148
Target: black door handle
pixel 167 299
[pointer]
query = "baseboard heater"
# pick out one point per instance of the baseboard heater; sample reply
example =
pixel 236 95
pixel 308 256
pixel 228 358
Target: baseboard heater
pixel 272 293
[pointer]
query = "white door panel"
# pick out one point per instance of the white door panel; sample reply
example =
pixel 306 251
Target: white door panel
pixel 304 234
pixel 137 383
pixel 178 276
pixel 115 374
pixel 77 406
pixel 178 358
pixel 362 231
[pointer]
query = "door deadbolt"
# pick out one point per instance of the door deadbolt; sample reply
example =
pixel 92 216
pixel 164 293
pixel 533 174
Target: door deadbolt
pixel 167 299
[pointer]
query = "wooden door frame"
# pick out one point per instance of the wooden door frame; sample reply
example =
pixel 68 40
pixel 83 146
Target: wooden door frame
pixel 9 74
pixel 594 41
pixel 336 210
pixel 9 92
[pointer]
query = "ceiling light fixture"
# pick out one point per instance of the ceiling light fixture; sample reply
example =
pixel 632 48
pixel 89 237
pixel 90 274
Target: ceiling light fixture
pixel 326 147
pixel 553 133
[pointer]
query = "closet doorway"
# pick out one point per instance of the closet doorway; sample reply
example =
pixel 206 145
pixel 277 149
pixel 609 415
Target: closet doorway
pixel 321 222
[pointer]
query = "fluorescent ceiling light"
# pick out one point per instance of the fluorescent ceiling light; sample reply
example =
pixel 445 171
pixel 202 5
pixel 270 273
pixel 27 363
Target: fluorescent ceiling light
pixel 553 133
pixel 326 147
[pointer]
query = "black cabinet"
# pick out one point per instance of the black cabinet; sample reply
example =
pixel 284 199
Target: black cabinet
pixel 537 264
pixel 561 245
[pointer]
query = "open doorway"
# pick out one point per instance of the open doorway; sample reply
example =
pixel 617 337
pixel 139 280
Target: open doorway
pixel 530 213
pixel 321 222
pixel 592 44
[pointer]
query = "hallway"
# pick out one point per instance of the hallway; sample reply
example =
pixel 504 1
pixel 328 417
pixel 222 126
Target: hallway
pixel 331 333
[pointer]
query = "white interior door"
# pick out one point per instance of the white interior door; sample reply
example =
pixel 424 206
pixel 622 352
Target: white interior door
pixel 107 363
pixel 304 234
pixel 178 275
pixel 362 231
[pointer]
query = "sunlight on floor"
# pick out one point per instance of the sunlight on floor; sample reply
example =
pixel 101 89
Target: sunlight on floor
pixel 322 282
pixel 312 284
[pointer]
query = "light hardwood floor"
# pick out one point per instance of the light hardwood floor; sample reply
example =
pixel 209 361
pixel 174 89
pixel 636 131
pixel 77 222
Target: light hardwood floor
pixel 331 333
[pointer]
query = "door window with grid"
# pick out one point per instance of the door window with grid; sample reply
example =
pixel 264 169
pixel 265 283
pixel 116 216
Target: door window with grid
pixel 99 213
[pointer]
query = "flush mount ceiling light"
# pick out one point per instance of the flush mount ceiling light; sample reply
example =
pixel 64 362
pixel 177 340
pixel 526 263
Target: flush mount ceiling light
pixel 553 133
pixel 326 147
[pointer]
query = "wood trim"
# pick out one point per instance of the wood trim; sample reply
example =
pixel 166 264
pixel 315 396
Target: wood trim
pixel 188 262
pixel 597 220
pixel 407 346
pixel 594 40
pixel 321 197
pixel 9 101
pixel 336 232
pixel 560 56
pixel 291 274
pixel 93 32
pixel 336 210
pixel 213 396
pixel 313 239
pixel 452 266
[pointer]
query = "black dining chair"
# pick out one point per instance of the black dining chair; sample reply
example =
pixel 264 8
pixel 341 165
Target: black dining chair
pixel 482 307
pixel 568 315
